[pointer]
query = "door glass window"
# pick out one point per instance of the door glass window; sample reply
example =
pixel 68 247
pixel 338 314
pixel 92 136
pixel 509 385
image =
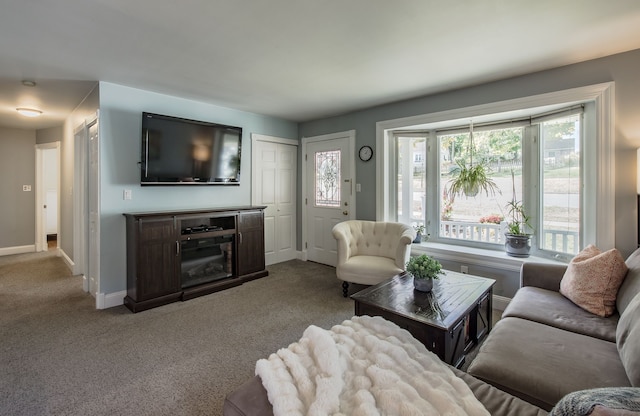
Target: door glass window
pixel 327 183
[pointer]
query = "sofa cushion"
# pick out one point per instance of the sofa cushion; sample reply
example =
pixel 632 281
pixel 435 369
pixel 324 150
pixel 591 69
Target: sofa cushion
pixel 496 401
pixel 379 269
pixel 541 364
pixel 628 340
pixel 551 308
pixel 630 287
pixel 593 278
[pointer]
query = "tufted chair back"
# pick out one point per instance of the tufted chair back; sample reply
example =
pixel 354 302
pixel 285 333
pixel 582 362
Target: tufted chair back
pixel 372 238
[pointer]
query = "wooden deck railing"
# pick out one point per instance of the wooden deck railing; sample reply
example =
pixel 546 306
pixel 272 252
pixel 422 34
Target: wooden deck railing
pixel 562 241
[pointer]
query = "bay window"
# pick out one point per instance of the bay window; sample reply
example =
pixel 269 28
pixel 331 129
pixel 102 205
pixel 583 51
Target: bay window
pixel 536 159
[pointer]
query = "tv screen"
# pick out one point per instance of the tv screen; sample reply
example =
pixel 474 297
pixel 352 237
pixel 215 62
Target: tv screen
pixel 177 151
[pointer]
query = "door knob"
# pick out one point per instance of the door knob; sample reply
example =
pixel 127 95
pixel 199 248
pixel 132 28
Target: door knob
pixel 345 212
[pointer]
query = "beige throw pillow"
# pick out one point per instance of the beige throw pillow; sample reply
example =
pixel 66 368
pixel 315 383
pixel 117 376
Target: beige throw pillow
pixel 593 278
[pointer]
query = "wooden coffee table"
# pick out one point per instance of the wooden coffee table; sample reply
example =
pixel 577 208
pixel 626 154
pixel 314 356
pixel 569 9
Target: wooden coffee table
pixel 449 320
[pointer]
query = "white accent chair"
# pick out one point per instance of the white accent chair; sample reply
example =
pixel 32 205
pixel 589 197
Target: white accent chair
pixel 370 252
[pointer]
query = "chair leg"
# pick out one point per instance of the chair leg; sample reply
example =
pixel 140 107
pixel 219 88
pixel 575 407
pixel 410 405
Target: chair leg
pixel 345 289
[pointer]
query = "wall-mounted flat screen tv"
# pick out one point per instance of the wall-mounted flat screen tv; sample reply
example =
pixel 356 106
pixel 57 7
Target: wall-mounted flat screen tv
pixel 177 151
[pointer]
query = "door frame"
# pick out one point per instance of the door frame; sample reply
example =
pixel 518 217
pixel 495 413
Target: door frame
pixel 351 136
pixel 41 232
pixel 81 182
pixel 79 203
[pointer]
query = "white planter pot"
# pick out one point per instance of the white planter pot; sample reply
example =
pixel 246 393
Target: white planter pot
pixel 423 285
pixel 517 245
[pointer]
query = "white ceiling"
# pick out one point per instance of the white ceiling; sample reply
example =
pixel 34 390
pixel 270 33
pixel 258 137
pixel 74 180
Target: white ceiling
pixel 295 59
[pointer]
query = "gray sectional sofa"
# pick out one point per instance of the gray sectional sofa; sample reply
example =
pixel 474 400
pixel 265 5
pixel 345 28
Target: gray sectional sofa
pixel 250 399
pixel 545 346
pixel 542 349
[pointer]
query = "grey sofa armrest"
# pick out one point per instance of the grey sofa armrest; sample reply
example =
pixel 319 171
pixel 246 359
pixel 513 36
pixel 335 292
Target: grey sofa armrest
pixel 542 275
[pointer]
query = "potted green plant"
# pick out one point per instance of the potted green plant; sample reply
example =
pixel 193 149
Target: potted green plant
pixel 470 180
pixel 517 238
pixel 419 231
pixel 424 269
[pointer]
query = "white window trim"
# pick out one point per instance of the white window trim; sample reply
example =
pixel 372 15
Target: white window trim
pixel 601 94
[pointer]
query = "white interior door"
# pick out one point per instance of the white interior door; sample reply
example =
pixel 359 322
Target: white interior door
pixel 274 170
pixel 51 214
pixel 330 197
pixel 47 185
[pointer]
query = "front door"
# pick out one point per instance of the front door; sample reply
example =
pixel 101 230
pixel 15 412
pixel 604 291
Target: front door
pixel 329 192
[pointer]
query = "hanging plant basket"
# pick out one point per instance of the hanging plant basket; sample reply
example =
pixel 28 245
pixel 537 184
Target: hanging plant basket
pixel 472 179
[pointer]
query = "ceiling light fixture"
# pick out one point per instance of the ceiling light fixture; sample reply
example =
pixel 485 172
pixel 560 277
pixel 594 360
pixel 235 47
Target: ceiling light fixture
pixel 28 83
pixel 28 112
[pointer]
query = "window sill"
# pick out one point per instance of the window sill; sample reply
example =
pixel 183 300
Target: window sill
pixel 476 256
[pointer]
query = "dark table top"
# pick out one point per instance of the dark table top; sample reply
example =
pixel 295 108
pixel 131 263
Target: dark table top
pixel 453 296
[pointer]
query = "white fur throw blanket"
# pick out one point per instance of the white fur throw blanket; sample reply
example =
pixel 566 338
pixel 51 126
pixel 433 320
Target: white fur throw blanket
pixel 365 366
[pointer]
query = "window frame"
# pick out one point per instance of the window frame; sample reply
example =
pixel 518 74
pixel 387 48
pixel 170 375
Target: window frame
pixel 435 208
pixel 598 154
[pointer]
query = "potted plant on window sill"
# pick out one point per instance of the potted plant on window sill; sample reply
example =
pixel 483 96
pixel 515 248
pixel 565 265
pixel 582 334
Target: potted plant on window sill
pixel 517 240
pixel 424 269
pixel 419 231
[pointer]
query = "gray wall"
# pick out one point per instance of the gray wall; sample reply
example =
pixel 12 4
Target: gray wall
pixel 17 168
pixel 50 135
pixel 622 68
pixel 120 129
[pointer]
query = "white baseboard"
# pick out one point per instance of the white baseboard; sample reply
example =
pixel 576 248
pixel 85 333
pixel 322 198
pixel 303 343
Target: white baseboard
pixel 109 300
pixel 500 302
pixel 7 251
pixel 70 264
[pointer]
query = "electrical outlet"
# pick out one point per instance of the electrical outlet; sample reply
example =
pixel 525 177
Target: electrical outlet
pixel 464 269
pixel 26 188
pixel 358 188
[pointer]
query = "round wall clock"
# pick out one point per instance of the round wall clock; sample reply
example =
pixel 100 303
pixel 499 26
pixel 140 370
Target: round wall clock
pixel 365 153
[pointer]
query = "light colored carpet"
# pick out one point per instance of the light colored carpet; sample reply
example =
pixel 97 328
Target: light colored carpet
pixel 60 356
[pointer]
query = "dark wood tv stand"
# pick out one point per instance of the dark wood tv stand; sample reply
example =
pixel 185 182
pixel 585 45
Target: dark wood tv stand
pixel 179 255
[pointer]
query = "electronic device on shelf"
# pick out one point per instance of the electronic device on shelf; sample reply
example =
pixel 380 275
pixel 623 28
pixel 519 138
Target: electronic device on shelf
pixel 201 229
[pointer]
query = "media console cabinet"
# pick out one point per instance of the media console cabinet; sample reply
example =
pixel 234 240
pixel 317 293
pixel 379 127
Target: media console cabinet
pixel 180 255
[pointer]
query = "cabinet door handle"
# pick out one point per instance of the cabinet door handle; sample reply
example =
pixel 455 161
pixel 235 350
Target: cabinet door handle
pixel 177 248
pixel 240 237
